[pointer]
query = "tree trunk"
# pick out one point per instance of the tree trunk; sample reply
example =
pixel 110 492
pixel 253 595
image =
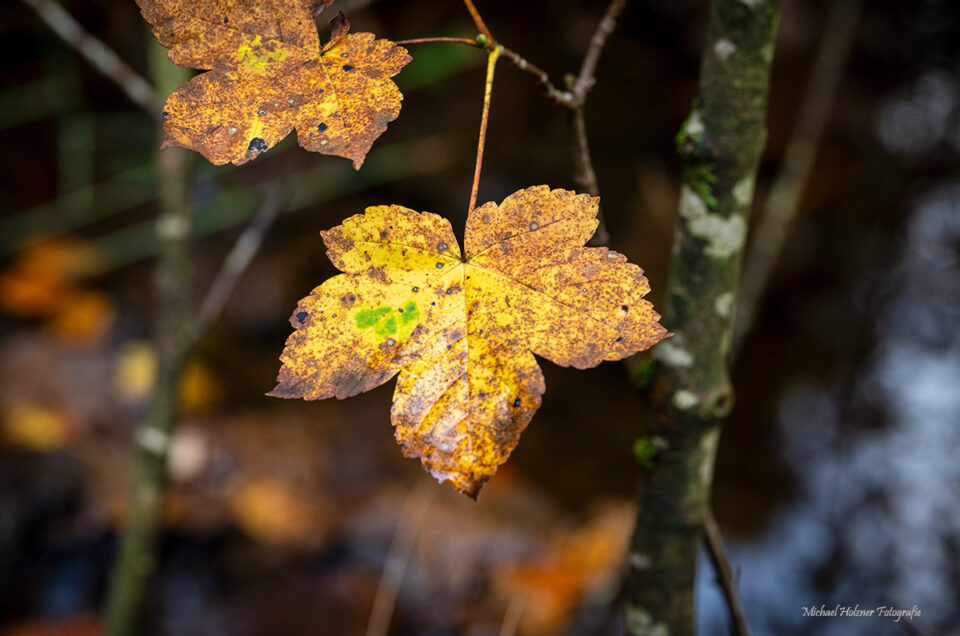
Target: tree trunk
pixel 720 142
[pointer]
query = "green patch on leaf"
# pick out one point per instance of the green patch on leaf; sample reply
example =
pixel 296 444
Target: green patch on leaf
pixel 386 327
pixel 366 318
pixel 389 322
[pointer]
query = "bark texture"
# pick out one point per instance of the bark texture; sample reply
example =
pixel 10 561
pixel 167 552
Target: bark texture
pixel 720 143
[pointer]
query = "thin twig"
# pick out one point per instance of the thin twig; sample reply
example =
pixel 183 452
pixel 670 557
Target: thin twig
pixel 718 556
pixel 398 557
pixel 466 41
pixel 555 95
pixel 574 99
pixel 240 256
pixel 481 26
pixel 584 176
pixel 99 55
pixel 783 202
pixel 586 78
pixel 492 58
pixel 512 616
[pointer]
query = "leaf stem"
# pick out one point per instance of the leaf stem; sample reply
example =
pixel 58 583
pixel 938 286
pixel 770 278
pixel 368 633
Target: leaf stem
pixel 466 41
pixel 492 58
pixel 481 26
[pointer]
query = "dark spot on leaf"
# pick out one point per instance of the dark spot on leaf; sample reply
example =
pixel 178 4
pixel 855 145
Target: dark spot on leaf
pixel 620 339
pixel 534 226
pixel 517 403
pixel 416 289
pixel 443 247
pixel 347 67
pixel 344 54
pixel 439 265
pixel 383 234
pixel 390 342
pixel 164 114
pixel 400 310
pixel 333 315
pixel 321 127
pixel 226 19
pixel 433 303
pixel 257 145
pixel 301 317
pixel 624 308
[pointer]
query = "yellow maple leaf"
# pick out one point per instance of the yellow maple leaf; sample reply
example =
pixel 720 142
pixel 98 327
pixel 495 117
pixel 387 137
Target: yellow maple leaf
pixel 461 331
pixel 267 74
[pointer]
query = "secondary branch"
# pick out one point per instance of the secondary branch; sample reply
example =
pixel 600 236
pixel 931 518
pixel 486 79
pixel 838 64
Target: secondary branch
pixel 99 55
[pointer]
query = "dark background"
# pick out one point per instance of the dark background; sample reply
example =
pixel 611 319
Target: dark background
pixel 837 479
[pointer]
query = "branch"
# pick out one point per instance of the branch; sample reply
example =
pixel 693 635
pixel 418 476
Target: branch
pixel 574 99
pixel 240 256
pixel 718 556
pixel 584 176
pixel 477 20
pixel 99 55
pixel 137 558
pixel 554 94
pixel 411 519
pixel 585 79
pixel 783 202
pixel 720 143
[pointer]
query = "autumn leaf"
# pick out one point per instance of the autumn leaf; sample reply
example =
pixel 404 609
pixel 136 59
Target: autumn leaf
pixel 267 74
pixel 462 331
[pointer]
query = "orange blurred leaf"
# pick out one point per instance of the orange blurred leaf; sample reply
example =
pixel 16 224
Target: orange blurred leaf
pixel 74 626
pixel 200 389
pixel 85 318
pixel 270 510
pixel 552 585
